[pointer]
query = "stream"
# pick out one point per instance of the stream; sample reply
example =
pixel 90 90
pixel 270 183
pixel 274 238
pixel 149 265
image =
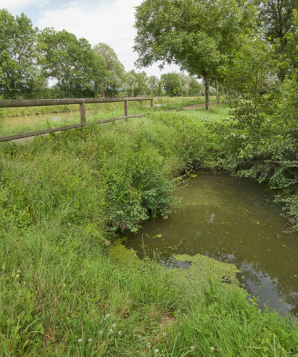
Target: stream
pixel 234 221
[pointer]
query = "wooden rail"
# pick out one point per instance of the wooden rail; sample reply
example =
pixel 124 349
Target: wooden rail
pixel 80 101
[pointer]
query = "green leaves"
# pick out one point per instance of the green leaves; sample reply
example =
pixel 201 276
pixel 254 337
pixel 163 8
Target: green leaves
pixel 172 84
pixel 18 56
pixel 76 68
pixel 114 68
pixel 197 35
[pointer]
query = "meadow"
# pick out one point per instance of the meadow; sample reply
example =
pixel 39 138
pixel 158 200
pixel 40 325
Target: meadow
pixel 28 119
pixel 63 291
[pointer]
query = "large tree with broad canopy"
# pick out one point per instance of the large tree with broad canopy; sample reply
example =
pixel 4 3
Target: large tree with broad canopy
pixel 198 35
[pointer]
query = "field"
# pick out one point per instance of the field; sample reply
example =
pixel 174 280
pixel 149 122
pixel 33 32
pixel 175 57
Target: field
pixel 64 291
pixel 21 120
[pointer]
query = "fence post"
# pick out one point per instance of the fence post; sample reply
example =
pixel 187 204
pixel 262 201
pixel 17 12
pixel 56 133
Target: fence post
pixel 126 110
pixel 83 113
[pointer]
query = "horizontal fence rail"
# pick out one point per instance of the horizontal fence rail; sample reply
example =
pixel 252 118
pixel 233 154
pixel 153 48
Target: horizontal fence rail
pixel 80 101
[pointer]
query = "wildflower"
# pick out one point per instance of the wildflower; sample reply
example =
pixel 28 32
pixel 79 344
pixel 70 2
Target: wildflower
pixel 192 348
pixel 90 340
pixel 114 325
pixel 164 334
pixel 110 330
pixel 17 275
pixel 212 349
pixel 80 340
pixel 120 333
pixel 156 350
pixel 148 345
pixel 100 332
pixel 107 316
pixel 18 271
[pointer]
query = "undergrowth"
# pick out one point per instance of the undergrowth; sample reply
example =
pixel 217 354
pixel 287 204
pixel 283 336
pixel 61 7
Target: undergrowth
pixel 62 197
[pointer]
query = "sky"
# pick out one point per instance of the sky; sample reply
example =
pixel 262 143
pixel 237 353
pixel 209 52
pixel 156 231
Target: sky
pixel 107 21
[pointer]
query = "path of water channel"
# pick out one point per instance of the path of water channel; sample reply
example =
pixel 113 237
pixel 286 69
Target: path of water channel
pixel 233 221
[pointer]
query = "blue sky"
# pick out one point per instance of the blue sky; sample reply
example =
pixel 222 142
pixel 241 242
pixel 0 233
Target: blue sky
pixel 108 21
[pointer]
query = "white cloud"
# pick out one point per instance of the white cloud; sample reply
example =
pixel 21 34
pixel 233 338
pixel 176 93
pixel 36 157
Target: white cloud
pixel 22 5
pixel 108 22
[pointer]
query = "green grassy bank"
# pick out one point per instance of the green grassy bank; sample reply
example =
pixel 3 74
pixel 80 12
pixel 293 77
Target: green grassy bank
pixel 166 102
pixel 62 293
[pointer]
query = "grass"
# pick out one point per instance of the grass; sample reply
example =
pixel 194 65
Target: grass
pixel 31 122
pixel 54 109
pixel 214 115
pixel 62 293
pixel 175 103
pixel 22 120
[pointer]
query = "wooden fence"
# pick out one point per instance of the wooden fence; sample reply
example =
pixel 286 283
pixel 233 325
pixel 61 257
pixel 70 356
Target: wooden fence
pixel 81 102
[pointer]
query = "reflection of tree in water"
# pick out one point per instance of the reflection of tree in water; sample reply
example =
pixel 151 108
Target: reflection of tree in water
pixel 261 284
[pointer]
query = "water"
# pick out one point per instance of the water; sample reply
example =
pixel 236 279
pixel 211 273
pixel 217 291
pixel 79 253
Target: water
pixel 233 221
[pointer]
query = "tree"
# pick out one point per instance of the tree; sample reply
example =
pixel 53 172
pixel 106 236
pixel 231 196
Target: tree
pixel 198 35
pixel 185 80
pixel 246 76
pixel 153 85
pixel 195 88
pixel 130 84
pixel 72 63
pixel 115 69
pixel 18 56
pixel 291 61
pixel 136 83
pixel 277 19
pixel 172 84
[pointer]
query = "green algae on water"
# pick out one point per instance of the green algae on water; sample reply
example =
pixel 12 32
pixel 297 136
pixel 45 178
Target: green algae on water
pixel 197 277
pixel 203 270
pixel 123 256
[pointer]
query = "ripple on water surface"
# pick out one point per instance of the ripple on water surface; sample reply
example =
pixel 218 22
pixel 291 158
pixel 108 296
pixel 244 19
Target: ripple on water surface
pixel 234 221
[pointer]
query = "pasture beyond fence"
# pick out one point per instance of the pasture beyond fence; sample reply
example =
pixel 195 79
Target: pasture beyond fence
pixel 80 101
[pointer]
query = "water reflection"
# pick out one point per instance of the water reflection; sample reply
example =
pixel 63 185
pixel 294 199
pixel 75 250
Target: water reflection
pixel 233 221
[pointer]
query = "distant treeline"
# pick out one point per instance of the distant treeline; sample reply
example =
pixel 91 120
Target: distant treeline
pixel 56 64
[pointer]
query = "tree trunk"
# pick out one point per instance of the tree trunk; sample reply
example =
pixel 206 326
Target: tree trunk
pixel 207 100
pixel 217 95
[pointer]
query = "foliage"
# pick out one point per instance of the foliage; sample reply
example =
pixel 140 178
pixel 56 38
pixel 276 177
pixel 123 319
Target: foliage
pixel 154 86
pixel 136 83
pixel 197 35
pixel 172 84
pixel 290 61
pixel 115 69
pixel 195 88
pixel 277 19
pixel 19 72
pixel 77 70
pixel 246 77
